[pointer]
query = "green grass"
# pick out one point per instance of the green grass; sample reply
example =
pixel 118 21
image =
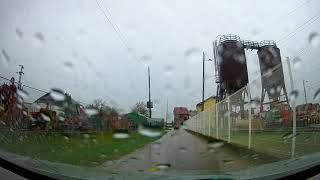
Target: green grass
pixel 77 149
pixel 279 143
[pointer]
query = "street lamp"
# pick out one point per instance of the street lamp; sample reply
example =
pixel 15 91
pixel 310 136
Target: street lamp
pixel 304 89
pixel 203 60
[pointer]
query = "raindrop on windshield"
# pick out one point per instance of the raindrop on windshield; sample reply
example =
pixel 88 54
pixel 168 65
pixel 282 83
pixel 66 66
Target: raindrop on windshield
pixel 272 91
pixel 91 112
pixel 120 135
pixel 228 162
pixel 191 51
pixel 215 145
pixel 45 117
pixel 103 156
pixel 38 39
pixel 57 94
pixel 255 102
pixel 316 95
pixel 5 56
pixel 23 94
pixel 163 166
pixel 86 136
pixel 293 95
pixel 183 149
pixel 296 62
pixel 314 39
pixel 148 132
pixel 146 59
pixel 19 33
pixel 68 66
pixel 169 69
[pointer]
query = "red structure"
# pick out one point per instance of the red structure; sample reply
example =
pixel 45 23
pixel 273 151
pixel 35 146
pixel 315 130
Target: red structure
pixel 120 123
pixel 12 105
pixel 181 114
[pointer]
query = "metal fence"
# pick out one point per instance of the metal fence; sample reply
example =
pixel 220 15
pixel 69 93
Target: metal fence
pixel 285 128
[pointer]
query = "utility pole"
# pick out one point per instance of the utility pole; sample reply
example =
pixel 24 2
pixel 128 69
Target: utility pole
pixel 203 59
pixel 149 103
pixel 305 94
pixel 20 75
pixel 167 113
pixel 294 113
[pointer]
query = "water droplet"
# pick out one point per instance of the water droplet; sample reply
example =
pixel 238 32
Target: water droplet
pixel 293 95
pixel 5 56
pixel 23 94
pixel 45 117
pixel 19 33
pixel 255 102
pixel 61 118
pixel 146 59
pixel 103 156
pixel 279 89
pixel 228 162
pixel 91 112
pixel 68 66
pixel 183 149
pixel 296 62
pixel 272 91
pixel 148 132
pixel 268 73
pixel 120 135
pixel 38 39
pixel 215 145
pixel 57 94
pixel 163 166
pixel 314 39
pixel 86 136
pixel 66 138
pixel 134 158
pixel 191 51
pixel 168 69
pixel 316 95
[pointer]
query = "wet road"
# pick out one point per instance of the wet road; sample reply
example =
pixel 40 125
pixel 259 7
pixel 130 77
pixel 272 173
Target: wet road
pixel 179 150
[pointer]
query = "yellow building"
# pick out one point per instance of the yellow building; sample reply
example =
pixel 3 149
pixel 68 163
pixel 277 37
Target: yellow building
pixel 209 102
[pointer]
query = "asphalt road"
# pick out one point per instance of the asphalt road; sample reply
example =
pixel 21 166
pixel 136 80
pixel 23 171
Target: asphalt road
pixel 182 151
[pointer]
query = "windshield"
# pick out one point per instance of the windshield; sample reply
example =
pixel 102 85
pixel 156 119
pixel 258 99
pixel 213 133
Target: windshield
pixel 160 89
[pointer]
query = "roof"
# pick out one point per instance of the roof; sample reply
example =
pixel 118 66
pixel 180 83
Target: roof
pixel 48 99
pixel 211 97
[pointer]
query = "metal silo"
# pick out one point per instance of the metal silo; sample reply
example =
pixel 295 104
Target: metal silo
pixel 272 78
pixel 231 65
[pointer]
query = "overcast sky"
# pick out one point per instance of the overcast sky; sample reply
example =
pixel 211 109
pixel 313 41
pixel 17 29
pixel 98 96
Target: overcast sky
pixel 71 45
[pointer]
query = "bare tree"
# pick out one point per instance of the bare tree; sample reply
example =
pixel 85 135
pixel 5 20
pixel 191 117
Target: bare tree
pixel 140 107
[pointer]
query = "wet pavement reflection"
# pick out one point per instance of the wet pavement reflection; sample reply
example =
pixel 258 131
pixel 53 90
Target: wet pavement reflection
pixel 180 150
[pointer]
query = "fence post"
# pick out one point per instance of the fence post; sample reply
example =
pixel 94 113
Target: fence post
pixel 249 116
pixel 294 116
pixel 229 119
pixel 217 122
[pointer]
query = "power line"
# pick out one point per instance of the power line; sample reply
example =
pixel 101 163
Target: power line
pixel 115 28
pixel 303 4
pixel 300 28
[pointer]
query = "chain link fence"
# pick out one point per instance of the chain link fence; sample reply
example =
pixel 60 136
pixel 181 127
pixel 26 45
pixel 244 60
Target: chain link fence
pixel 270 120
